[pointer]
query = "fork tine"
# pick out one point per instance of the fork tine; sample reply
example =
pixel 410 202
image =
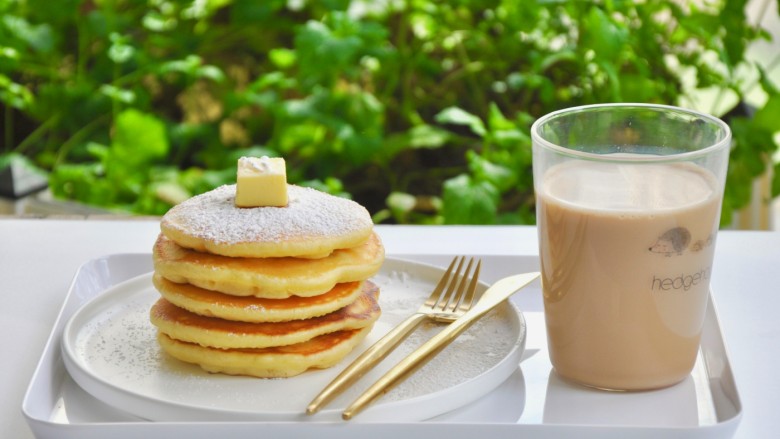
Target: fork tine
pixel 445 299
pixel 453 303
pixel 470 295
pixel 436 293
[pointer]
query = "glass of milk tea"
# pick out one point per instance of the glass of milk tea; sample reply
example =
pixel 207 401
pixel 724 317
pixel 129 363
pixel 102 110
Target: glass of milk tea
pixel 628 200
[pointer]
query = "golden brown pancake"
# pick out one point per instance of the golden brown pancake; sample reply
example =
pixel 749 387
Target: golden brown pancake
pixel 272 278
pixel 272 362
pixel 255 309
pixel 183 325
pixel 313 224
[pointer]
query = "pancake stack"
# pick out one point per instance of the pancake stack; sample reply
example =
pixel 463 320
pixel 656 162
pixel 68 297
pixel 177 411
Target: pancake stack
pixel 265 291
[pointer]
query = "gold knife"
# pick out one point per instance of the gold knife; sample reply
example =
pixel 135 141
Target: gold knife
pixel 494 295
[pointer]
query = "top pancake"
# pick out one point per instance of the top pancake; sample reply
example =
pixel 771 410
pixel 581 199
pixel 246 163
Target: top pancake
pixel 312 225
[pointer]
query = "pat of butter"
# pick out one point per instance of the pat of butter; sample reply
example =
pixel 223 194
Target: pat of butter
pixel 261 182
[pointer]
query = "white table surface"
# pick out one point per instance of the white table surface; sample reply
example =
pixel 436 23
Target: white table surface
pixel 38 259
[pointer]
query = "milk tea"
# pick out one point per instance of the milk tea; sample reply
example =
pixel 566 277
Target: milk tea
pixel 626 254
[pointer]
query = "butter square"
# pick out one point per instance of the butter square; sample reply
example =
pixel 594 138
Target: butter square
pixel 261 182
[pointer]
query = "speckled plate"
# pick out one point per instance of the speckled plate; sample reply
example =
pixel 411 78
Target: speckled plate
pixel 109 349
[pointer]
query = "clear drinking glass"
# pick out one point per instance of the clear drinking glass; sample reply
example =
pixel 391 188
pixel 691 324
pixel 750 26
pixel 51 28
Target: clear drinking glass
pixel 628 209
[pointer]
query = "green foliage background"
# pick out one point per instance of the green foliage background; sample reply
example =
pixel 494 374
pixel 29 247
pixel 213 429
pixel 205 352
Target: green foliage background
pixel 418 109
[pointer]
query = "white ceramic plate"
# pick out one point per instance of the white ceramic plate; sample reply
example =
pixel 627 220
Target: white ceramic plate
pixel 109 349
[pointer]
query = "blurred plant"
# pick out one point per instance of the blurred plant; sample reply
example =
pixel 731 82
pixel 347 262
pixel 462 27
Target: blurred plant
pixel 419 110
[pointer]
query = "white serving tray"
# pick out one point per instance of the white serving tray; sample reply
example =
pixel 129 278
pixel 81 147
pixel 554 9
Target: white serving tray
pixel 532 403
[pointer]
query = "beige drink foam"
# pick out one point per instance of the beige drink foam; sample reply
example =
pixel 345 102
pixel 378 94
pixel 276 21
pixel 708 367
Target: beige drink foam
pixel 626 254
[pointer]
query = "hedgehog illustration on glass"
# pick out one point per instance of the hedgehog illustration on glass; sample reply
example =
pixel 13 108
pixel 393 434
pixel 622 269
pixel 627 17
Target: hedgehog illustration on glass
pixel 673 241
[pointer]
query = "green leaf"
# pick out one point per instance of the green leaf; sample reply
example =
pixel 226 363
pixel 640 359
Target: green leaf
pixel 61 15
pixel 469 202
pixel 202 9
pixel 738 185
pixel 139 139
pixel 98 151
pixel 120 50
pixel 156 22
pixel 766 82
pixel 501 177
pixel 333 48
pixel 458 116
pixel 9 53
pixel 14 94
pixel 118 94
pixel 198 181
pixel 602 35
pixel 513 140
pixel 299 137
pixel 401 205
pixel 427 136
pixel 732 19
pixel 39 37
pixel 637 88
pixel 192 65
pixel 81 182
pixel 171 193
pixel 768 116
pixel 253 12
pixel 424 25
pixel 211 72
pixel 271 79
pixel 282 58
pixel 330 185
pixel 324 53
pixel 497 121
pixel 518 81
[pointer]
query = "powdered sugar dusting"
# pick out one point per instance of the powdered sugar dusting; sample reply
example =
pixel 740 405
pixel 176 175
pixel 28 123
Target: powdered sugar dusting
pixel 310 214
pixel 263 164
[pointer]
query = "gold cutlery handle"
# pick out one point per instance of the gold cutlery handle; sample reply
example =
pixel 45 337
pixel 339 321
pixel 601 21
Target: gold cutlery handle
pixel 496 294
pixel 368 359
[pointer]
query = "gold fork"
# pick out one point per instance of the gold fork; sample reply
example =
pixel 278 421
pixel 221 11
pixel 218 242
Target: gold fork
pixel 441 306
pixel 492 297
